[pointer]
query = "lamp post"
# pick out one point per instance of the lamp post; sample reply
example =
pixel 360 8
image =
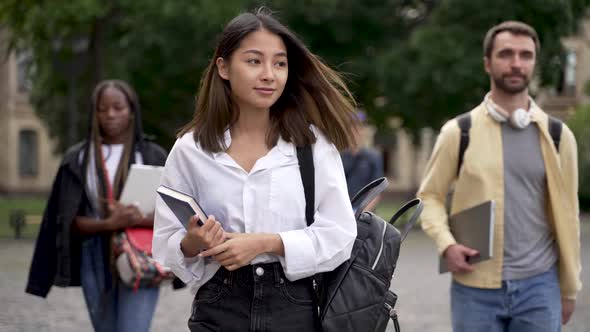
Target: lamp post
pixel 69 59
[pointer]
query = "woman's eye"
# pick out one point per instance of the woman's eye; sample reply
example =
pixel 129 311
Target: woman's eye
pixel 253 61
pixel 282 64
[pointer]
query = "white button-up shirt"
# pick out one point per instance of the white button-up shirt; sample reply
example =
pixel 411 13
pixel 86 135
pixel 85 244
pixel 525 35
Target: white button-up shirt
pixel 268 199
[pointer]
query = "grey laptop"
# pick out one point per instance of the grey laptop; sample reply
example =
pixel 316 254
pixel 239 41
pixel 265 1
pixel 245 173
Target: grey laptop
pixel 474 228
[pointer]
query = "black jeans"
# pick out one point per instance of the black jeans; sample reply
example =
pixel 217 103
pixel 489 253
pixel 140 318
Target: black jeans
pixel 254 298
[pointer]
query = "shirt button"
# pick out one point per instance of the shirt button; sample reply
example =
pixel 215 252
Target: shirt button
pixel 259 271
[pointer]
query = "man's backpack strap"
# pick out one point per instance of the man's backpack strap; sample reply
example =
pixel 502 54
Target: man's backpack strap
pixel 555 127
pixel 305 157
pixel 464 122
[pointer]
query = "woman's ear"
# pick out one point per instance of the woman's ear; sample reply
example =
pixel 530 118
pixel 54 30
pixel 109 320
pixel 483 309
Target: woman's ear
pixel 222 68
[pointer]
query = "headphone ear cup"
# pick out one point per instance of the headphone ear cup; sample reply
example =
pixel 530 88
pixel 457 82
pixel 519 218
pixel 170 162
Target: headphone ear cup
pixel 520 118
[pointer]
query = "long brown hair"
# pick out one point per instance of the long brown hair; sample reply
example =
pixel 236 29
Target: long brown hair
pixel 96 139
pixel 314 93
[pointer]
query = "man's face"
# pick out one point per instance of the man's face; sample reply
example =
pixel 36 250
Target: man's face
pixel 512 62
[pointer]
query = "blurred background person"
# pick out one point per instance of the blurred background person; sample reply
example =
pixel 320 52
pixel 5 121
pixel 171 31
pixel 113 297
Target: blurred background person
pixel 361 163
pixel 74 244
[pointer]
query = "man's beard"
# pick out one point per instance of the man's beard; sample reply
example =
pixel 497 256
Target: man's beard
pixel 501 83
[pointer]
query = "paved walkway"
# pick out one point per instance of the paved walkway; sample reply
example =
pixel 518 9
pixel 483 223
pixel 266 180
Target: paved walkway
pixel 423 294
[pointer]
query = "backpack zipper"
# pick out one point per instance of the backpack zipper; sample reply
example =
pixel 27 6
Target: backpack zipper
pixel 381 247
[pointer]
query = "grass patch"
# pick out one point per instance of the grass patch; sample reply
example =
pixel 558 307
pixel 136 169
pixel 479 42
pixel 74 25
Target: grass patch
pixel 31 206
pixel 386 210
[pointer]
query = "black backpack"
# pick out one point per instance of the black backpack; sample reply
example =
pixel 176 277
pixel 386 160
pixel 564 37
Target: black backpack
pixel 356 296
pixel 464 122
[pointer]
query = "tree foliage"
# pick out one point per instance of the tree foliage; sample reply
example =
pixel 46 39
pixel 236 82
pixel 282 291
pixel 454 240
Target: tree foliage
pixel 580 126
pixel 438 71
pixel 417 60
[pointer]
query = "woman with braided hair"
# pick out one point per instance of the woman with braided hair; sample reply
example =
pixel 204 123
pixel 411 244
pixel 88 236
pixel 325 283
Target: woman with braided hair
pixel 73 247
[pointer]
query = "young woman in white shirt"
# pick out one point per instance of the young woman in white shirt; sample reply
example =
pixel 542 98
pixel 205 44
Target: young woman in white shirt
pixel 263 94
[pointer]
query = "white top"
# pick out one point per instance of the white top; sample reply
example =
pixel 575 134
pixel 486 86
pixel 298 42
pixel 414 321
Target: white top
pixel 268 199
pixel 112 155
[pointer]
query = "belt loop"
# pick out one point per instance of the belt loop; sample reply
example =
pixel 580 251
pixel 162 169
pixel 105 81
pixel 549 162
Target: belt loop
pixel 277 269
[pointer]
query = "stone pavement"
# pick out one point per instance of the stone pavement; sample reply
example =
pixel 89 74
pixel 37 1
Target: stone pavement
pixel 423 294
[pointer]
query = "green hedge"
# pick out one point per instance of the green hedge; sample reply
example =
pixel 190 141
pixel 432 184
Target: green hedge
pixel 580 125
pixel 31 206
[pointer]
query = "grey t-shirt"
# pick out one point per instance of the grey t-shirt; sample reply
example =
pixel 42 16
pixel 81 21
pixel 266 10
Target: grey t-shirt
pixel 529 245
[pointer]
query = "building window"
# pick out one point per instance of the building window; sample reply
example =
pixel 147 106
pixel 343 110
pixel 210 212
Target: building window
pixel 24 62
pixel 570 73
pixel 28 153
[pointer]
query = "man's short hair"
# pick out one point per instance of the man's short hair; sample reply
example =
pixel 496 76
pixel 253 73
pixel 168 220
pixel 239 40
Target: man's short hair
pixel 514 27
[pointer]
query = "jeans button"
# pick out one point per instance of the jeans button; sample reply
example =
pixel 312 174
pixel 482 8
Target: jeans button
pixel 259 271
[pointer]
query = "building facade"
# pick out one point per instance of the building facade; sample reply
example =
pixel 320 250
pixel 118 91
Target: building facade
pixel 28 164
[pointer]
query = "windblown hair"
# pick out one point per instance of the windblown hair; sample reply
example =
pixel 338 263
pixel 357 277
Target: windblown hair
pixel 314 94
pixel 96 139
pixel 514 27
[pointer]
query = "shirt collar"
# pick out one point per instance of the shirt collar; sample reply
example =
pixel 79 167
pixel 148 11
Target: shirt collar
pixel 286 148
pixel 533 108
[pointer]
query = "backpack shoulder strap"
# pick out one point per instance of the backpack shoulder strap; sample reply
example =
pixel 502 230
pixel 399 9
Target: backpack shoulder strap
pixel 464 121
pixel 305 158
pixel 555 127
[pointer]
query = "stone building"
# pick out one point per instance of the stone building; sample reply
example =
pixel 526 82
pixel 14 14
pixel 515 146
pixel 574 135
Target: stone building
pixel 27 162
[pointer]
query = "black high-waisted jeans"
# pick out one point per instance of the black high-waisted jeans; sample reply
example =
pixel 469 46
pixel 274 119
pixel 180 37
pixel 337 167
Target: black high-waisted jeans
pixel 254 298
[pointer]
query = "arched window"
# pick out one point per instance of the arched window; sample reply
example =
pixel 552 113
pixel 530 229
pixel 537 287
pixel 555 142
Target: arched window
pixel 28 153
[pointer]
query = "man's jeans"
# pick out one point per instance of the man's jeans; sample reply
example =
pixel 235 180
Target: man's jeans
pixel 523 305
pixel 117 308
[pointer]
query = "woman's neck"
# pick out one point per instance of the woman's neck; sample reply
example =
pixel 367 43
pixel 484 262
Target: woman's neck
pixel 252 123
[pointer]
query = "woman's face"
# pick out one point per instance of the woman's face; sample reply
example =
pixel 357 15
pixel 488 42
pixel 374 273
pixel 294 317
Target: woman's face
pixel 114 115
pixel 257 71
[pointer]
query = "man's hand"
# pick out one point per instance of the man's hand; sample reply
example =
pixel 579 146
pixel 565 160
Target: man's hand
pixel 567 309
pixel 199 238
pixel 241 248
pixel 456 255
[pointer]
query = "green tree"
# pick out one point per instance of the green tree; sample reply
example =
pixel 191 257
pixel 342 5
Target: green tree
pixel 160 47
pixel 579 123
pixel 418 60
pixel 438 71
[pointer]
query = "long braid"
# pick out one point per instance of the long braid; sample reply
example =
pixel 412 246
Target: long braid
pixel 123 168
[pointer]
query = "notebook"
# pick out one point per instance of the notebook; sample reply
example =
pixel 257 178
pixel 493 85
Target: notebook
pixel 474 228
pixel 140 187
pixel 183 205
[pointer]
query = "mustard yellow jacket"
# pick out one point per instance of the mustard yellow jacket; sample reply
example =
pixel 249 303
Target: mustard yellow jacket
pixel 482 178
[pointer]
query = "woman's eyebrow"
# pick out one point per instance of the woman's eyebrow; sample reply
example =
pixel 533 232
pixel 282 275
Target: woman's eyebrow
pixel 257 52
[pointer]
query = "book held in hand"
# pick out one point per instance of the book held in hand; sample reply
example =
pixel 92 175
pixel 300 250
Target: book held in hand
pixel 183 206
pixel 473 228
pixel 140 187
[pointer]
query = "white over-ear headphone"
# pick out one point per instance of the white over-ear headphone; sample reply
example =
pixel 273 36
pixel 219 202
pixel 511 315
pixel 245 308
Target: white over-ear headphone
pixel 520 118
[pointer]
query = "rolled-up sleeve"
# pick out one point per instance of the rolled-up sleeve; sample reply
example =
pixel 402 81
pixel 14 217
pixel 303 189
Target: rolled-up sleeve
pixel 328 242
pixel 168 231
pixel 440 173
pixel 570 263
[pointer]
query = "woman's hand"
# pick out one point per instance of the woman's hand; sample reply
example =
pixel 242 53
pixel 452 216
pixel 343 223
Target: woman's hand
pixel 199 238
pixel 123 216
pixel 241 248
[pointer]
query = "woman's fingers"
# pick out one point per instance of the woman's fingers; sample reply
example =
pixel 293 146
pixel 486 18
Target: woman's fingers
pixel 214 251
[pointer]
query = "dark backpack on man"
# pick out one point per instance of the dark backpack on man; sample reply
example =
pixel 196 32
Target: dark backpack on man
pixel 464 122
pixel 356 296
